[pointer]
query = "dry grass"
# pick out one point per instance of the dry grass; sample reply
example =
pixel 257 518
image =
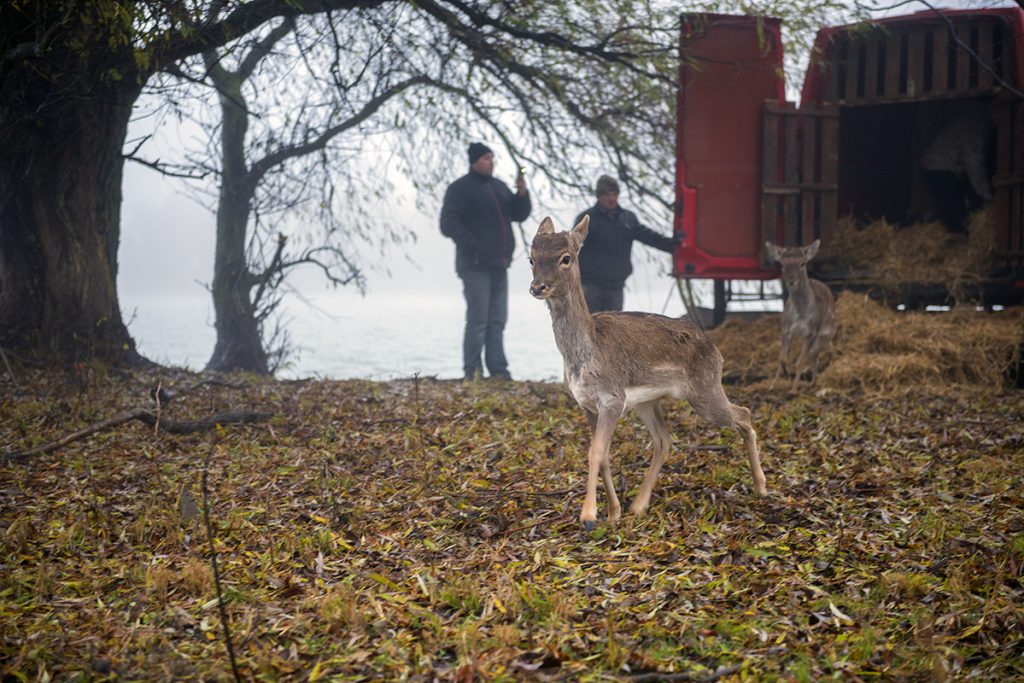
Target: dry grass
pixel 893 256
pixel 750 347
pixel 878 349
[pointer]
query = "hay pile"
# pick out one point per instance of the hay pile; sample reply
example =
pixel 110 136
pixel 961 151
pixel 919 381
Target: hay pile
pixel 750 347
pixel 892 256
pixel 878 349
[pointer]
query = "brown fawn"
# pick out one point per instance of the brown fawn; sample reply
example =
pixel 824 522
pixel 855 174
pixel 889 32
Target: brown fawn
pixel 808 314
pixel 615 361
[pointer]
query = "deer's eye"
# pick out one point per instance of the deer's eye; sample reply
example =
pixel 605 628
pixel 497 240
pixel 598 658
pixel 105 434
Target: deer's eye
pixel 566 260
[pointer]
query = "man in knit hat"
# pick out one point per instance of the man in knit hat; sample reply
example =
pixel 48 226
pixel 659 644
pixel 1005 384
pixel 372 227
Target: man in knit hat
pixel 477 214
pixel 606 259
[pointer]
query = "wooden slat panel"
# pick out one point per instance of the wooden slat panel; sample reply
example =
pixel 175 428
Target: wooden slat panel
pixel 1004 139
pixel 871 70
pixel 769 175
pixel 832 67
pixel 1016 218
pixel 915 63
pixel 829 173
pixel 808 197
pixel 940 60
pixel 986 36
pixel 854 65
pixel 892 65
pixel 1002 213
pixel 842 43
pixel 1009 181
pixel 963 59
pixel 789 157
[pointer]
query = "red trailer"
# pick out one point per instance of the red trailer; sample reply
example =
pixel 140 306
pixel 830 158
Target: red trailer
pixel 751 166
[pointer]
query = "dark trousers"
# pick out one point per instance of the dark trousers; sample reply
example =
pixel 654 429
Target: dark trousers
pixel 486 293
pixel 601 298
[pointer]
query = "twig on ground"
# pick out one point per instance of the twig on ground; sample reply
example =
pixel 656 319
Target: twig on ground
pixel 653 676
pixel 146 416
pixel 156 399
pixel 517 492
pixel 215 383
pixel 524 527
pixel 216 573
pixel 839 543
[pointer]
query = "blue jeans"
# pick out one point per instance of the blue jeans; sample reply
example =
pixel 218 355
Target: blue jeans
pixel 486 293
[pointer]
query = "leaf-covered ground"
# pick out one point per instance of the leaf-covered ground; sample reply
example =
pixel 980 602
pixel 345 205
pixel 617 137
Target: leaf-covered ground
pixel 427 530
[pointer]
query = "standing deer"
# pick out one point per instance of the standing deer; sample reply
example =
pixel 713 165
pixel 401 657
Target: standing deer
pixel 809 312
pixel 615 361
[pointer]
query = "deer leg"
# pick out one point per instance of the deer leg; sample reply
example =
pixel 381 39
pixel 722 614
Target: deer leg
pixel 783 356
pixel 597 457
pixel 661 442
pixel 802 363
pixel 743 423
pixel 821 342
pixel 812 364
pixel 614 509
pixel 715 407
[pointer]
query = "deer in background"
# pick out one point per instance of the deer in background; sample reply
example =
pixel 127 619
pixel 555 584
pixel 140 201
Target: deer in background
pixel 809 313
pixel 615 361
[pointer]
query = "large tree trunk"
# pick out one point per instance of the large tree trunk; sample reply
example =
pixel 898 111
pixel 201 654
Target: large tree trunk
pixel 60 203
pixel 239 342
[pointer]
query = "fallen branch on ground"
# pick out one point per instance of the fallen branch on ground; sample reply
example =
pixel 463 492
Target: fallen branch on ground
pixel 721 672
pixel 149 417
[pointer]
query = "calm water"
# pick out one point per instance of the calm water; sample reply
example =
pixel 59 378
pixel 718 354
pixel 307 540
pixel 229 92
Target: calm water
pixel 350 337
pixel 382 336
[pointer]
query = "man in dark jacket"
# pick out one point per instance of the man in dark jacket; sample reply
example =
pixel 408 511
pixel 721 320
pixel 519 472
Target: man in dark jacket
pixel 477 214
pixel 605 260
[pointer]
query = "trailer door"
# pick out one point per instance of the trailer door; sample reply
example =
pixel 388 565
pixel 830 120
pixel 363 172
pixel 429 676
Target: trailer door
pixel 729 67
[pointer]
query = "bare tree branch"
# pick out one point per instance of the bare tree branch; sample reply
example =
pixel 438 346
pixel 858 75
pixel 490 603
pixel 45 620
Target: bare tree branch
pixel 260 168
pixel 552 39
pixel 165 169
pixel 182 43
pixel 262 48
pixel 273 269
pixel 310 258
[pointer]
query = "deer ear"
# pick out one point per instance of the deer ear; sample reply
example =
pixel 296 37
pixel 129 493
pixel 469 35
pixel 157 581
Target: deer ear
pixel 811 250
pixel 773 250
pixel 546 227
pixel 579 233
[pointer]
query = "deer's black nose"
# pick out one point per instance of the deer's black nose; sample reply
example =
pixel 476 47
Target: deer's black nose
pixel 537 289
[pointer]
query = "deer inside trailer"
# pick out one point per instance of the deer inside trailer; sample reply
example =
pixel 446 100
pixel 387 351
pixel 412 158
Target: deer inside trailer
pixel 911 119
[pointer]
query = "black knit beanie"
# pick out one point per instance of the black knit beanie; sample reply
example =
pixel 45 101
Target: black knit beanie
pixel 477 150
pixel 606 184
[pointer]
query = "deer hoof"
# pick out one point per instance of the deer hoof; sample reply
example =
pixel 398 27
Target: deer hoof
pixel 589 524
